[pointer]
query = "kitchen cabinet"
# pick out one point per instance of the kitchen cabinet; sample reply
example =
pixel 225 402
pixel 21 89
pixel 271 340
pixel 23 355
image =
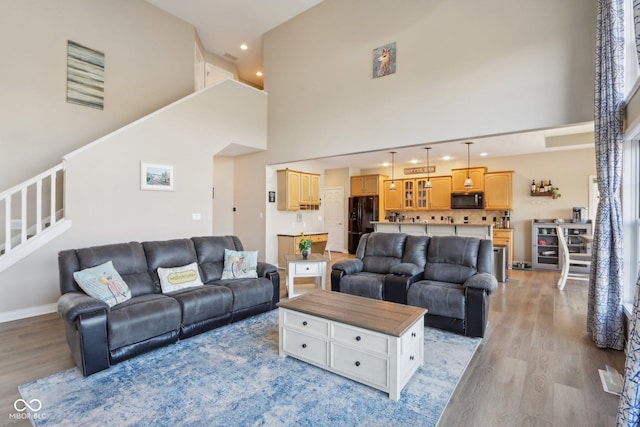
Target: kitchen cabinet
pixel 498 190
pixel 408 193
pixel 460 175
pixel 440 193
pixel 504 237
pixel 298 190
pixel 392 198
pixel 309 190
pixel 367 185
pixel 288 245
pixel 288 190
pixel 546 253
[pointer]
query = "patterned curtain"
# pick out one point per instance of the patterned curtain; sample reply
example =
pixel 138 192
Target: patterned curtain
pixel 605 316
pixel 629 406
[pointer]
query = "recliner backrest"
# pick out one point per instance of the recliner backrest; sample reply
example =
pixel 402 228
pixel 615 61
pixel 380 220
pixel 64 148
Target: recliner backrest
pixel 381 251
pixel 168 254
pixel 452 258
pixel 210 250
pixel 415 250
pixel 128 259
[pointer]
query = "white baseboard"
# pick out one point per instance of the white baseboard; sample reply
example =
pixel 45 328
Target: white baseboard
pixel 23 313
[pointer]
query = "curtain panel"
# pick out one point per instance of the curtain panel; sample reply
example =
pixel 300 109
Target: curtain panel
pixel 629 405
pixel 605 315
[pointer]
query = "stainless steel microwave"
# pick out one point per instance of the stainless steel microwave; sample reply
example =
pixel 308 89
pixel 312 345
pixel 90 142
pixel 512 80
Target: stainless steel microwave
pixel 467 200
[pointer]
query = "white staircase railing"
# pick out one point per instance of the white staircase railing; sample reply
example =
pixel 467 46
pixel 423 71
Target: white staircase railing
pixel 21 222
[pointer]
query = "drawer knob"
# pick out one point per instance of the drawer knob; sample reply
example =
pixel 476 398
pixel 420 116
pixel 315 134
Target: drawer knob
pixel 411 357
pixel 358 338
pixel 357 363
pixel 413 334
pixel 305 346
pixel 307 268
pixel 304 323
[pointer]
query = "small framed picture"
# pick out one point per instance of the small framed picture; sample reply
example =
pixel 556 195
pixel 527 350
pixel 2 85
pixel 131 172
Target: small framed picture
pixel 156 177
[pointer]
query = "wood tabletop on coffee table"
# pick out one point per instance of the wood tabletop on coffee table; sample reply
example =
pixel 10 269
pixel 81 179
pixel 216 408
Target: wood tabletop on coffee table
pixel 381 316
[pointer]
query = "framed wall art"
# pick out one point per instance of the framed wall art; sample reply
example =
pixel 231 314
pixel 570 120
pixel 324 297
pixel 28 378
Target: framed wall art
pixel 156 177
pixel 384 60
pixel 85 76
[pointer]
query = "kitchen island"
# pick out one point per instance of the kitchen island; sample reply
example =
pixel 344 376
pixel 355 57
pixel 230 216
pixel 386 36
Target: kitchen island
pixel 481 231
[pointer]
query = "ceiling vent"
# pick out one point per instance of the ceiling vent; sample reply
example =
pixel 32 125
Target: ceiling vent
pixel 230 57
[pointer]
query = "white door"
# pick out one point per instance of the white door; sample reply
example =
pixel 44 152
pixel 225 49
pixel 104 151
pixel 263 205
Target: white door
pixel 216 74
pixel 334 217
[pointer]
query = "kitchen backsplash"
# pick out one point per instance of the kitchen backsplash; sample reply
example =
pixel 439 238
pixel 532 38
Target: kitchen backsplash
pixel 460 216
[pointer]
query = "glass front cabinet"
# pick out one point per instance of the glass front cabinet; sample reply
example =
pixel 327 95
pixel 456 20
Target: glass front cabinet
pixel 546 252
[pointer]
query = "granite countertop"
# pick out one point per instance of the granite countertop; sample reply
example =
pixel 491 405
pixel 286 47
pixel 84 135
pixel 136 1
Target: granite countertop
pixel 306 233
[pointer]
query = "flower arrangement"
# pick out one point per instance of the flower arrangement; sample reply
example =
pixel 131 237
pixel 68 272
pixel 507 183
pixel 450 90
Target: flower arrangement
pixel 304 245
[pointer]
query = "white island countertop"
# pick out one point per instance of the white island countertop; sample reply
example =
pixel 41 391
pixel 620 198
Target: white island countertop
pixel 481 231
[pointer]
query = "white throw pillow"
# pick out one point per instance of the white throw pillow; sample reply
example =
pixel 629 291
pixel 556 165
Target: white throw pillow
pixel 240 264
pixel 104 283
pixel 174 279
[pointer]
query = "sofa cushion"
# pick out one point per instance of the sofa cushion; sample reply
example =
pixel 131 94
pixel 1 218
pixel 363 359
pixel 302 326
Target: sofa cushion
pixel 439 298
pixel 248 292
pixel 210 251
pixel 141 318
pixel 203 302
pixel 364 284
pixel 239 264
pixel 128 259
pixel 174 279
pixel 451 258
pixel 383 251
pixel 168 254
pixel 103 283
pixel 415 250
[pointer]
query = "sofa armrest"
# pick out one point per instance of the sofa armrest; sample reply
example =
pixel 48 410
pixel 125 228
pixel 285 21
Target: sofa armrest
pixel 73 304
pixel 484 281
pixel 349 266
pixel 405 269
pixel 395 286
pixel 264 269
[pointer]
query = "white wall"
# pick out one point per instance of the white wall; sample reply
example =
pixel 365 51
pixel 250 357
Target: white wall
pixel 464 69
pixel 103 198
pixel 149 58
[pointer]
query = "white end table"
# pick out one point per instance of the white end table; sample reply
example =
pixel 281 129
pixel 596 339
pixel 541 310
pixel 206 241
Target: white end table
pixel 314 265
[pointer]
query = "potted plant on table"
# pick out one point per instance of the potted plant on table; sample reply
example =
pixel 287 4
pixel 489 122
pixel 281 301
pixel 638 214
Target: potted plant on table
pixel 304 246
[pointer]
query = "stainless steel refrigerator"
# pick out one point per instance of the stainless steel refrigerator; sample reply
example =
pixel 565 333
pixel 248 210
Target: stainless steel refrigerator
pixel 362 210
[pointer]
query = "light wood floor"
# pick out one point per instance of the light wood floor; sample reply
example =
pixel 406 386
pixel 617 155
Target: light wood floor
pixel 536 365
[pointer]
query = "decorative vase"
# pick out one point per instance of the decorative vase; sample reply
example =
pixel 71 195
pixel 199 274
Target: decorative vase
pixel 305 254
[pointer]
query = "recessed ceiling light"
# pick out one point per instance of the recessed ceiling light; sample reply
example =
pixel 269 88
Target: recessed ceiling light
pixel 484 154
pixel 259 74
pixel 413 161
pixel 447 158
pixel 385 164
pixel 244 46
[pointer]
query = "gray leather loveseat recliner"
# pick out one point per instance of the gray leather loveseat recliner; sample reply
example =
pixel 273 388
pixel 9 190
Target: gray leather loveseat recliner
pixel 100 336
pixel 450 276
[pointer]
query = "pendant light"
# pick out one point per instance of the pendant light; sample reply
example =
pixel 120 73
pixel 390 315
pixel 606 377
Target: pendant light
pixel 392 186
pixel 428 184
pixel 467 182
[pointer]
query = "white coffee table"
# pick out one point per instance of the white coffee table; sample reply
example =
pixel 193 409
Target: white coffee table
pixel 314 265
pixel 377 343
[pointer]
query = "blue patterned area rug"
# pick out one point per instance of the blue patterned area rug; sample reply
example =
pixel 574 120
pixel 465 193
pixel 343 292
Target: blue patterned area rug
pixel 233 376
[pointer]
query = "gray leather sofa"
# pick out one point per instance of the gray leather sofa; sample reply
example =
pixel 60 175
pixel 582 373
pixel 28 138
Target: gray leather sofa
pixel 450 276
pixel 100 336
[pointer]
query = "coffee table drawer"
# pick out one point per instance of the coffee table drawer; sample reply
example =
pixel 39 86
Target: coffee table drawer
pixel 360 366
pixel 306 323
pixel 305 347
pixel 360 338
pixel 411 346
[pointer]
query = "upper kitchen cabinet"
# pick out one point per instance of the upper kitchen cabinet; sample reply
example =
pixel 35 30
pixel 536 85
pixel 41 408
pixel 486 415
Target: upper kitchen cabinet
pixel 498 190
pixel 440 197
pixel 298 190
pixel 458 177
pixel 393 198
pixel 367 185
